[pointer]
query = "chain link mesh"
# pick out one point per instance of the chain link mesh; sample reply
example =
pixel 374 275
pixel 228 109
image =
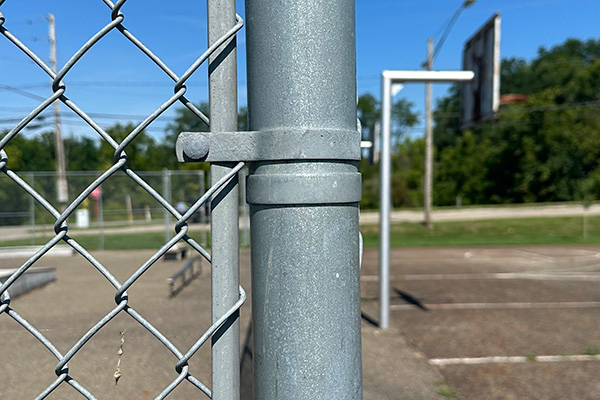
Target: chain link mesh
pixel 61 229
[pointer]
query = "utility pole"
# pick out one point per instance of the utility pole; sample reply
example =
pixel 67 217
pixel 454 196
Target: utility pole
pixel 428 186
pixel 431 54
pixel 62 195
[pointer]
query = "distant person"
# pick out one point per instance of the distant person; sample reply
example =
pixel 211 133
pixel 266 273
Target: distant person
pixel 181 207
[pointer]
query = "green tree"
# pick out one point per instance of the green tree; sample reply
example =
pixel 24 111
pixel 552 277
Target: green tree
pixel 139 151
pixel 369 113
pixel 544 149
pixel 186 121
pixel 31 154
pixel 405 189
pixel 82 154
pixel 446 115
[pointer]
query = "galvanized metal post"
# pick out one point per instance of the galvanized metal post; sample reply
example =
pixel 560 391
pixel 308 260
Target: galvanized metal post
pixel 101 220
pixel 304 213
pixel 385 200
pixel 388 78
pixel 166 181
pixel 32 209
pixel 203 232
pixel 245 212
pixel 225 221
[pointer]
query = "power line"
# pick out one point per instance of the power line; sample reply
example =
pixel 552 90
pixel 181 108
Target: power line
pixel 450 25
pixel 153 84
pixel 162 118
pixel 22 92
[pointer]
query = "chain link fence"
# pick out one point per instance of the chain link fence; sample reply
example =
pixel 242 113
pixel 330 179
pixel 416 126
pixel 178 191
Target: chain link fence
pixel 303 191
pixel 119 203
pixel 125 195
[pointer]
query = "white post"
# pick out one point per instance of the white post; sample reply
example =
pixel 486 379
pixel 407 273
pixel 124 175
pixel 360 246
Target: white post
pixel 388 78
pixel 385 199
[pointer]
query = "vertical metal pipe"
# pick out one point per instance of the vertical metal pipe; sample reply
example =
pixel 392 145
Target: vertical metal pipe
pixel 376 142
pixel 225 221
pixel 101 220
pixel 203 232
pixel 32 209
pixel 167 196
pixel 245 212
pixel 428 186
pixel 305 256
pixel 385 198
pixel 129 208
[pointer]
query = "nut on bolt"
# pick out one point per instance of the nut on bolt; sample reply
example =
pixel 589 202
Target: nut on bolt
pixel 195 147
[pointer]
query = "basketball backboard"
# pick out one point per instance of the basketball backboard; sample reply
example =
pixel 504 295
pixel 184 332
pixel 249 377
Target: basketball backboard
pixel 481 97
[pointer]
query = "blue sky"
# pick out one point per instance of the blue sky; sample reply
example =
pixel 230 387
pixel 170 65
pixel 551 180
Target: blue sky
pixel 117 83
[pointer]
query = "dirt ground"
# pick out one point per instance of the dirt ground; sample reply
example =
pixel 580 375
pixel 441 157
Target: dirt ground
pixel 65 309
pixel 448 304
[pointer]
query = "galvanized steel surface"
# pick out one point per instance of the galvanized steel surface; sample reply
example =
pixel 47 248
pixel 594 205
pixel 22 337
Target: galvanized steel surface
pixel 224 205
pixel 298 144
pixel 304 213
pixel 388 78
pixel 61 228
pixel 385 203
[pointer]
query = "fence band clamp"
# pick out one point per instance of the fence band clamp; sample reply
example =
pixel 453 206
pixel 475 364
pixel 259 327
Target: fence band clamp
pixel 290 189
pixel 274 145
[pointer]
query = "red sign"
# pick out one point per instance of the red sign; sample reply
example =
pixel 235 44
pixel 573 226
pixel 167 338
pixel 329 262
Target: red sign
pixel 96 193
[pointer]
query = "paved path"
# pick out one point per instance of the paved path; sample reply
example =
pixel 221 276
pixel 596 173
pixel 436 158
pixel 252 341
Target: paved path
pixel 479 213
pixel 366 218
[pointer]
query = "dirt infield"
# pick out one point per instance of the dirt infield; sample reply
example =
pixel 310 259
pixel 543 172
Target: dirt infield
pixel 487 317
pixel 80 297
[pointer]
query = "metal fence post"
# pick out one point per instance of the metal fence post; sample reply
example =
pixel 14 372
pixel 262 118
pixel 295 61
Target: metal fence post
pixel 304 213
pixel 32 209
pixel 203 233
pixel 224 205
pixel 244 210
pixel 167 196
pixel 385 203
pixel 101 220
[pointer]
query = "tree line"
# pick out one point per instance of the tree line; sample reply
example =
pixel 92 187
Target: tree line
pixel 544 148
pixel 145 153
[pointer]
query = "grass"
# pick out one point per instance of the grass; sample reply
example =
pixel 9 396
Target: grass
pixel 592 351
pixel 446 391
pixel 530 357
pixel 524 231
pixel 145 240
